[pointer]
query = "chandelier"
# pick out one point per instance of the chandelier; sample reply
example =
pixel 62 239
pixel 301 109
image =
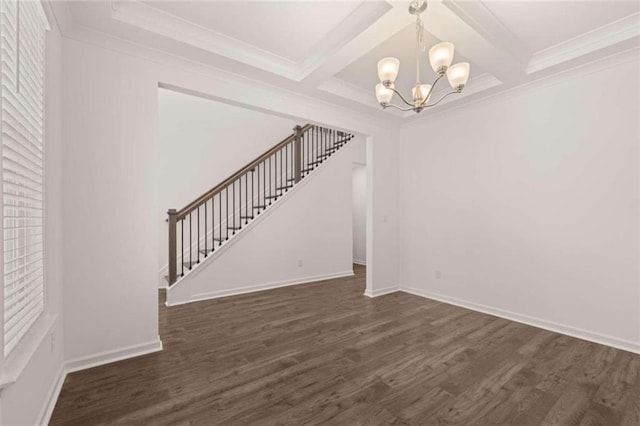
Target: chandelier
pixel 440 58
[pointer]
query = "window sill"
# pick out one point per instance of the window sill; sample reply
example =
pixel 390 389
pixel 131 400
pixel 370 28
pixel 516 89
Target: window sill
pixel 15 364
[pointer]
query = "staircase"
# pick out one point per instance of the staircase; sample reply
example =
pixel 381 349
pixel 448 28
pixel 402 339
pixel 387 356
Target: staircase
pixel 210 221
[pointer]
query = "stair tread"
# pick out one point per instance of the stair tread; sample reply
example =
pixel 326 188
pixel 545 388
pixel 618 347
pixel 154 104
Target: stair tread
pixel 235 228
pixel 284 187
pixel 259 207
pixel 247 217
pixel 272 197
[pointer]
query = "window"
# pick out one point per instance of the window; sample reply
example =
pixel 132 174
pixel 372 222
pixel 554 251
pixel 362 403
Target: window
pixel 22 42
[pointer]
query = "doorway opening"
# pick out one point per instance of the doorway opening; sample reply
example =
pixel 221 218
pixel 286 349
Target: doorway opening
pixel 359 212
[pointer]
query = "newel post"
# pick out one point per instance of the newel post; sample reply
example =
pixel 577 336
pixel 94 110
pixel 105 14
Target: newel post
pixel 173 246
pixel 298 153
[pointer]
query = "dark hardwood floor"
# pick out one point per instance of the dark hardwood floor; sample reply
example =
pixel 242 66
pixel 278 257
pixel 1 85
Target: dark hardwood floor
pixel 323 353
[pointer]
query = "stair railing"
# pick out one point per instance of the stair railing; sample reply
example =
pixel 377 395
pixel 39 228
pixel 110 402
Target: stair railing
pixel 245 194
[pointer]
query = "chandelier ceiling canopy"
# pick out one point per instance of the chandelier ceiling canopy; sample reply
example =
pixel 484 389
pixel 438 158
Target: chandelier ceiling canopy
pixel 440 58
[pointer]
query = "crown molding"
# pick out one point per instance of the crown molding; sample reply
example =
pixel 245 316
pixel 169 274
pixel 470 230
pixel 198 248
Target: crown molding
pixel 149 18
pixel 597 65
pixel 608 35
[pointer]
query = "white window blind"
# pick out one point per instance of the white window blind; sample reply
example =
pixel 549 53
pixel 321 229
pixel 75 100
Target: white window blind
pixel 22 43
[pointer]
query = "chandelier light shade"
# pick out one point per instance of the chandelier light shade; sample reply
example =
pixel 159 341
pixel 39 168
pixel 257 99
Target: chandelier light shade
pixel 388 69
pixel 458 74
pixel 383 94
pixel 420 93
pixel 440 58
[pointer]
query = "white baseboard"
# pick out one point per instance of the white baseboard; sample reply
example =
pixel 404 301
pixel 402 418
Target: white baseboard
pixel 90 362
pixel 360 262
pixel 381 291
pixel 52 397
pixel 112 356
pixel 615 342
pixel 260 287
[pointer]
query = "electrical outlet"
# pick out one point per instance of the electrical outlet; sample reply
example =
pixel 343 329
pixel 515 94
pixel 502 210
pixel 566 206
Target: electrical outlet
pixel 437 274
pixel 300 263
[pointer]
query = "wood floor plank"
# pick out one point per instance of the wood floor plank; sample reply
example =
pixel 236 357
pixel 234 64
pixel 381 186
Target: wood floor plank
pixel 322 353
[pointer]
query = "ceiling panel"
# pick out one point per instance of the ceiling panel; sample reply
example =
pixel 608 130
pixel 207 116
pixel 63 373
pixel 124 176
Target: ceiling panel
pixel 542 24
pixel 287 29
pixel 363 72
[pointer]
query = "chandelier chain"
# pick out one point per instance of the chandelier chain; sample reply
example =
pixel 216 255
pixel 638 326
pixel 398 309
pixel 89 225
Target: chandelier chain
pixel 420 34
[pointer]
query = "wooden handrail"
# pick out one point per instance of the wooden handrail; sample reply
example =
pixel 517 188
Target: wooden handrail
pixel 299 155
pixel 182 213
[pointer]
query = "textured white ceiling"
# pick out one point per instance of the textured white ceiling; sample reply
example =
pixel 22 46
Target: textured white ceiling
pixel 329 49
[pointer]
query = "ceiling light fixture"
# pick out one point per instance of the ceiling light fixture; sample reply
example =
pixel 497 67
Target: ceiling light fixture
pixel 440 57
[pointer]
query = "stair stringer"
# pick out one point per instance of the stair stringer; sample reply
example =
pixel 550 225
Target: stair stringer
pixel 311 222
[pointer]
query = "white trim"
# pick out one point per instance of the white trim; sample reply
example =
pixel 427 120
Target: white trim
pixel 602 339
pixel 360 262
pixel 89 362
pixel 261 287
pixel 52 397
pixel 107 357
pixel 20 357
pixel 381 291
pixel 600 38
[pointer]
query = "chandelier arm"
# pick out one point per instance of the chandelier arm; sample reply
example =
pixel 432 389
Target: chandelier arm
pixel 433 86
pixel 442 98
pixel 401 97
pixel 400 108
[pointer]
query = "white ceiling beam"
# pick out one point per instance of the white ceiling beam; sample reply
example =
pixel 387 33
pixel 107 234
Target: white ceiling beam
pixel 357 22
pixel 386 26
pixel 485 23
pixel 446 25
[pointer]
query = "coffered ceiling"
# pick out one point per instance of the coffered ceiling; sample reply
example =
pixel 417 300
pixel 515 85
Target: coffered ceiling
pixel 329 49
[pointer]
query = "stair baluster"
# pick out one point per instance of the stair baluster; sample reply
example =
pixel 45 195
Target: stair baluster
pixel 281 167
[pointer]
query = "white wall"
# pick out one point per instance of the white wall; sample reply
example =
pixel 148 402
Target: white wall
pixel 305 236
pixel 359 149
pixel 111 201
pixel 359 212
pixel 24 402
pixel 200 143
pixel 527 204
pixel 111 237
